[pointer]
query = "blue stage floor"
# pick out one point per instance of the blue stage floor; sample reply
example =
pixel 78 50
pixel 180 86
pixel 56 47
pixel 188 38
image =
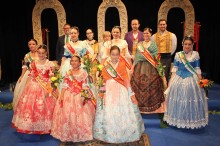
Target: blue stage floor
pixel 171 136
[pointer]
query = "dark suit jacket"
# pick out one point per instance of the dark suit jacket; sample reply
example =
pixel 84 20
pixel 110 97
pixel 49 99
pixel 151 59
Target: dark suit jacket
pixel 129 39
pixel 60 48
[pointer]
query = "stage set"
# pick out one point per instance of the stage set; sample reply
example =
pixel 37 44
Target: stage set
pixel 154 135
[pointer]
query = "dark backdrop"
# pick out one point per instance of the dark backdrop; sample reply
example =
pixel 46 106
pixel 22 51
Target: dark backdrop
pixel 16 28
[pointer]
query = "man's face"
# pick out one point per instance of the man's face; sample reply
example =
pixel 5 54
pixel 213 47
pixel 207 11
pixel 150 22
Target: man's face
pixel 66 29
pixel 162 25
pixel 135 25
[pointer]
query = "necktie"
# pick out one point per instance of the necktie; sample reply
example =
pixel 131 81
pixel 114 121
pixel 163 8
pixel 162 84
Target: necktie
pixel 67 39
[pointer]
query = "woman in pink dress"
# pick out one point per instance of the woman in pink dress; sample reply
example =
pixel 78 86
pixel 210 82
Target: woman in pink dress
pixel 34 111
pixel 73 117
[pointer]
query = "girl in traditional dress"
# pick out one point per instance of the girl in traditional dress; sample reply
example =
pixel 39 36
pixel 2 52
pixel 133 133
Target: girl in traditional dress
pixel 34 111
pixel 75 46
pixel 118 118
pixel 74 115
pixel 146 82
pixel 187 105
pixel 28 58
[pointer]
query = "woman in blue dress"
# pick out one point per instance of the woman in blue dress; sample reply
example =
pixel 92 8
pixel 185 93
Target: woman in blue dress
pixel 186 100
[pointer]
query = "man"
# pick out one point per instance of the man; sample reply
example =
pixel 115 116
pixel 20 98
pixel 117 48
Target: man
pixel 133 37
pixel 166 42
pixel 62 40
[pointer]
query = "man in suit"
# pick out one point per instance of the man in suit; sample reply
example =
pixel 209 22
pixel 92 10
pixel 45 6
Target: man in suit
pixel 62 40
pixel 134 36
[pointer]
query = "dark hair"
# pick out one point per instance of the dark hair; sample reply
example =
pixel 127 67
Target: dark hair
pixel 66 25
pixel 75 27
pixel 118 27
pixel 162 20
pixel 188 37
pixel 114 48
pixel 43 46
pixel 135 20
pixel 77 56
pixel 33 41
pixel 148 28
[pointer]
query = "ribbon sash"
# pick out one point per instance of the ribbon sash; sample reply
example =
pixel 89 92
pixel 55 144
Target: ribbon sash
pixel 186 63
pixel 114 74
pixel 43 84
pixel 70 48
pixel 121 58
pixel 147 55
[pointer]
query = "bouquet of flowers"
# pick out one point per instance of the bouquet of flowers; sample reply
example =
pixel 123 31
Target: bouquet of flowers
pixel 205 83
pixel 160 67
pixel 56 79
pixel 87 61
pixel 88 96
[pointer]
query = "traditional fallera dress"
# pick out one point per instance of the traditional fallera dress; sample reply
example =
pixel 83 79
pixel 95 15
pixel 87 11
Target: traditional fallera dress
pixel 146 81
pixel 117 119
pixel 19 87
pixel 73 117
pixel 34 111
pixel 187 105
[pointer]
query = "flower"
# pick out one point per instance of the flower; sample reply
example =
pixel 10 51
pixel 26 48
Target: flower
pixel 182 56
pixel 100 67
pixel 88 96
pixel 205 83
pixel 160 67
pixel 56 79
pixel 87 61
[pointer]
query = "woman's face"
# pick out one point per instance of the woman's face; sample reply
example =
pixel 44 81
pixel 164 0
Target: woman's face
pixel 74 34
pixel 75 63
pixel 114 55
pixel 187 46
pixel 32 45
pixel 146 35
pixel 107 38
pixel 42 54
pixel 116 33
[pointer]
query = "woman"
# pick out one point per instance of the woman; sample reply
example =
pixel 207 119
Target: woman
pixel 118 118
pixel 28 58
pixel 146 81
pixel 75 46
pixel 73 115
pixel 33 114
pixel 186 100
pixel 121 43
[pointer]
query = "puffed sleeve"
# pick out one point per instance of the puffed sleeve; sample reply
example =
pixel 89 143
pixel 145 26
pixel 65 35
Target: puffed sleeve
pixel 66 52
pixel 176 63
pixel 197 63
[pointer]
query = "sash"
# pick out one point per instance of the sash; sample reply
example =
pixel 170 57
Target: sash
pixel 70 48
pixel 186 63
pixel 77 88
pixel 121 58
pixel 113 73
pixel 147 55
pixel 45 85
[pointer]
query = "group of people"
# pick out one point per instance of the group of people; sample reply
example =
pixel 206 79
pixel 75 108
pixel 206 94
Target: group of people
pixel 128 77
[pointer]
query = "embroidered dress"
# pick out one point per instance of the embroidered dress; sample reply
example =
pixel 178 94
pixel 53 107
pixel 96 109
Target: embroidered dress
pixel 117 120
pixel 73 121
pixel 146 82
pixel 186 101
pixel 33 114
pixel 19 87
